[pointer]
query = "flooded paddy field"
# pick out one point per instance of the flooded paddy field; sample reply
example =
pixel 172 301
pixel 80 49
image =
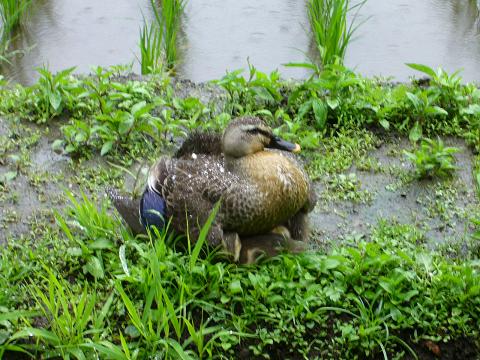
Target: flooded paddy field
pixel 222 35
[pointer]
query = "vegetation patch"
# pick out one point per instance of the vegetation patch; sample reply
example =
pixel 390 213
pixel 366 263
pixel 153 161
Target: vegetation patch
pixel 77 284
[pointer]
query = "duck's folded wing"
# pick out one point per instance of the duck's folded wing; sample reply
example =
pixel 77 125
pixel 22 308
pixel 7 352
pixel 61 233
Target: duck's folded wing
pixel 191 188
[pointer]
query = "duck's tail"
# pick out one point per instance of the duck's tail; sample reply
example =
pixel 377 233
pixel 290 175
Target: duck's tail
pixel 127 207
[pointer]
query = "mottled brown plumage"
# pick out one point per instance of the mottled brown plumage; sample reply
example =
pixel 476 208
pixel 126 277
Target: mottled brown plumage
pixel 258 188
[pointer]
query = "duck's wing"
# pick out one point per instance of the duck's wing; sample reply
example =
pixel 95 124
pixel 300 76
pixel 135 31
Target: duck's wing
pixel 191 187
pixel 201 142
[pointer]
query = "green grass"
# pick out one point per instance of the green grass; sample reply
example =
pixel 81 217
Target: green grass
pixel 159 41
pixel 330 28
pixel 86 288
pixel 157 297
pixel 11 14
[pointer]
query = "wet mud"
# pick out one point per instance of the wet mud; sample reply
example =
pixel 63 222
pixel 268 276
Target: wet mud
pixel 441 208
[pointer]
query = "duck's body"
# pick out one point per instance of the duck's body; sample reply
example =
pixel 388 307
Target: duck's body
pixel 271 189
pixel 258 188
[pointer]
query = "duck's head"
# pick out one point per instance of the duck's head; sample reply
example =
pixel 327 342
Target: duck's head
pixel 249 135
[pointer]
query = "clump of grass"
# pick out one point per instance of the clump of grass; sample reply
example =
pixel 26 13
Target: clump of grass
pixel 11 13
pixel 328 22
pixel 433 159
pixel 158 41
pixel 377 297
pixel 151 54
pixel 171 12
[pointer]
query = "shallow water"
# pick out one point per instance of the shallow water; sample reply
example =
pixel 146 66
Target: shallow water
pixel 434 32
pixel 221 35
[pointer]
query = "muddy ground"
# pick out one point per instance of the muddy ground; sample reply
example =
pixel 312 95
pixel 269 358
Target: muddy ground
pixel 350 204
pixel 440 208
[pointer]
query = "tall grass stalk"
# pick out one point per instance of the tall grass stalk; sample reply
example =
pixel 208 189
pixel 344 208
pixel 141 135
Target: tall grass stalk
pixel 328 22
pixel 171 13
pixel 158 41
pixel 151 54
pixel 11 13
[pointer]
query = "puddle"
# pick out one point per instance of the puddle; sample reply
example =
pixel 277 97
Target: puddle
pixel 220 35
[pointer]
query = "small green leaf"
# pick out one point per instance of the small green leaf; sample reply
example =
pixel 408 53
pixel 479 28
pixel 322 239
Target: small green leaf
pixel 123 260
pixel 236 287
pixel 106 148
pixel 415 133
pixel 74 251
pixel 320 111
pixel 55 100
pixel 8 176
pixel 57 145
pixel 385 124
pixel 472 109
pixel 422 68
pixel 330 263
pixel 4 335
pixel 333 103
pixel 126 123
pixel 94 267
pixel 100 244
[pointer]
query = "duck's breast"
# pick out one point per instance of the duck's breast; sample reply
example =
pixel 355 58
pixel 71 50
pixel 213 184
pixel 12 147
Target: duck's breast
pixel 281 190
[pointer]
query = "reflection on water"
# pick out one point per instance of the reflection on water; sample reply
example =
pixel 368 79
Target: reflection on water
pixel 79 33
pixel 433 32
pixel 220 35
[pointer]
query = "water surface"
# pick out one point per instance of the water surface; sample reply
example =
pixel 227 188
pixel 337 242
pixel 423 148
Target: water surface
pixel 221 35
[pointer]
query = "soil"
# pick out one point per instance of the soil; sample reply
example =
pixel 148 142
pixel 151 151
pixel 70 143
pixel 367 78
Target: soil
pixel 440 207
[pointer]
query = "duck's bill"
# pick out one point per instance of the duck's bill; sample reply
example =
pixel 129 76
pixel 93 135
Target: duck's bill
pixel 279 143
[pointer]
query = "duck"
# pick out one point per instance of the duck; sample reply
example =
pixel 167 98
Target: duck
pixel 254 175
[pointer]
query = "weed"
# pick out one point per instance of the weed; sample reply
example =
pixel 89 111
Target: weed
pixel 71 319
pixel 338 153
pixel 153 297
pixel 247 95
pixel 433 159
pixel 189 304
pixel 347 188
pixel 51 93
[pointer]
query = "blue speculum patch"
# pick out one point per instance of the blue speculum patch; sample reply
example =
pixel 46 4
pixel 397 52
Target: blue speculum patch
pixel 152 209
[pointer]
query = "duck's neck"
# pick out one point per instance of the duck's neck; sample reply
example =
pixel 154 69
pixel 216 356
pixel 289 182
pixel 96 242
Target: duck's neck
pixel 252 167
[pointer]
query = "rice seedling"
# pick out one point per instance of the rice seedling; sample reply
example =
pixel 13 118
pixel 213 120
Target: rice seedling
pixel 11 13
pixel 328 22
pixel 171 12
pixel 151 54
pixel 158 41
